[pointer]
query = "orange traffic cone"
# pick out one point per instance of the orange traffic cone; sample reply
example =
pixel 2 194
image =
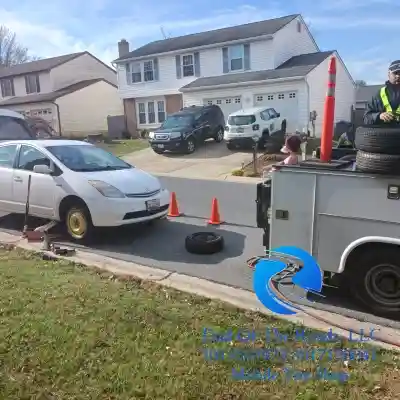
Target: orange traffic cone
pixel 173 206
pixel 215 218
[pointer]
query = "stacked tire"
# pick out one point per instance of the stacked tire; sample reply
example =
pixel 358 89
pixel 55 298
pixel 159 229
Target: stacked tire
pixel 378 149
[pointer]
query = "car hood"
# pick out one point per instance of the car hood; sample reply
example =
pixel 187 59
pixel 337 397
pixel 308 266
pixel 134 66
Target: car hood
pixel 128 181
pixel 170 130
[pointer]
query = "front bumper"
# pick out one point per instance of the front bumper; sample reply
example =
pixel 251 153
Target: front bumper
pixel 174 144
pixel 239 141
pixel 116 212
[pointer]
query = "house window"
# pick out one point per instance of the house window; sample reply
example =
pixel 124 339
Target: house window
pixel 259 98
pixel 219 102
pixel 209 102
pixel 7 87
pixel 236 56
pixel 228 101
pixel 142 113
pixel 148 69
pixel 281 96
pixel 188 65
pixel 32 84
pixel 292 95
pixel 136 73
pixel 298 26
pixel 161 111
pixel 151 112
pixel 237 100
pixel 270 97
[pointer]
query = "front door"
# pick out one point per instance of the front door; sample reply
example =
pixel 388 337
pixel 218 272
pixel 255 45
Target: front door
pixel 7 158
pixel 44 188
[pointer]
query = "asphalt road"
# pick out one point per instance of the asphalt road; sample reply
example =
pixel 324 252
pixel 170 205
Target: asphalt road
pixel 162 244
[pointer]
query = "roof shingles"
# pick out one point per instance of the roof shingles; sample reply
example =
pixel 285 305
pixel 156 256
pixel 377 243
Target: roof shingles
pixel 240 32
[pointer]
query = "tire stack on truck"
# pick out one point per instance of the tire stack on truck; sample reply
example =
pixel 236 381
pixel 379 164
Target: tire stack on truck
pixel 378 149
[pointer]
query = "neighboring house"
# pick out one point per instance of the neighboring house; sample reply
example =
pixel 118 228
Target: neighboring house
pixel 75 92
pixel 364 95
pixel 273 63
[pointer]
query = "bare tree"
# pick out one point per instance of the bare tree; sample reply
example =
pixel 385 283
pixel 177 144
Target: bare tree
pixel 12 52
pixel 361 82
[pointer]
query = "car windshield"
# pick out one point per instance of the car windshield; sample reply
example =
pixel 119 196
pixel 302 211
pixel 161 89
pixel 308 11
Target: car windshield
pixel 241 120
pixel 14 129
pixel 177 121
pixel 86 158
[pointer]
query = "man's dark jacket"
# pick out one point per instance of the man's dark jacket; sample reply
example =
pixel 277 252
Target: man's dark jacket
pixel 375 106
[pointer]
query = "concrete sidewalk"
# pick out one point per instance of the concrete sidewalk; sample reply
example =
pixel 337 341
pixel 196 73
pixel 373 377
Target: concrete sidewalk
pixel 312 318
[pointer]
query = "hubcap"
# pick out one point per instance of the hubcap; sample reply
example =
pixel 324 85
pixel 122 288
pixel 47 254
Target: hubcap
pixel 77 224
pixel 190 145
pixel 220 134
pixel 383 284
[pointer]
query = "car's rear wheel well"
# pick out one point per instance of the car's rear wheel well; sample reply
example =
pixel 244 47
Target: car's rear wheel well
pixel 351 260
pixel 67 203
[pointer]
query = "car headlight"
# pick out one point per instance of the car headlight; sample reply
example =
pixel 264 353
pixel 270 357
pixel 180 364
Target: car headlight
pixel 151 135
pixel 107 190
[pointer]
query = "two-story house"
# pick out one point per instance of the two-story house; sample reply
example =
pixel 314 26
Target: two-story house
pixel 268 63
pixel 74 92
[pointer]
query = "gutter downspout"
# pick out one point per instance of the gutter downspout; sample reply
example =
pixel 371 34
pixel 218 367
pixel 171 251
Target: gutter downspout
pixel 308 103
pixel 58 116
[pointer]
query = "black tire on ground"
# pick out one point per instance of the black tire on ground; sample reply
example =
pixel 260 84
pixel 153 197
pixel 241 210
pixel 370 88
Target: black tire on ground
pixel 375 277
pixel 349 157
pixel 78 223
pixel 190 145
pixel 204 243
pixel 219 136
pixel 378 163
pixel 262 144
pixel 378 139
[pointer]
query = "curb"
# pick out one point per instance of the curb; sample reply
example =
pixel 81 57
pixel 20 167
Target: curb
pixel 239 298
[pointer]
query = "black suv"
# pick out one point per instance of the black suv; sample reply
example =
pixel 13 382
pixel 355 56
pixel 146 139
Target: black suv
pixel 185 130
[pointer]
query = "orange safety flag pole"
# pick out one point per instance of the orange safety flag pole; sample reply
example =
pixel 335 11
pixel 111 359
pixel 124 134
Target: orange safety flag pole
pixel 329 114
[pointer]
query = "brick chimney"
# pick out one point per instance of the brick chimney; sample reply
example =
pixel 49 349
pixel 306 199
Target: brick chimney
pixel 123 47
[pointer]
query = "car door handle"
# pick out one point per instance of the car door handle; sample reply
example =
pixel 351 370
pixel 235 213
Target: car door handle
pixel 17 179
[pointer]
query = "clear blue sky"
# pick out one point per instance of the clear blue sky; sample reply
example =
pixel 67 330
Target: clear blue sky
pixel 365 32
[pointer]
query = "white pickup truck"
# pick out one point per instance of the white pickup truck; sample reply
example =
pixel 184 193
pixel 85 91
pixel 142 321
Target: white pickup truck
pixel 263 122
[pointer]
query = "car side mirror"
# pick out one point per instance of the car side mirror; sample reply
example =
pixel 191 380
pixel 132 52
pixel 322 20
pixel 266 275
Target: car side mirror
pixel 42 169
pixel 278 115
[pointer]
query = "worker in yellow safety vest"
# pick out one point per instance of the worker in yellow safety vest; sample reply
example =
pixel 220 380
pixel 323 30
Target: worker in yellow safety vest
pixel 385 106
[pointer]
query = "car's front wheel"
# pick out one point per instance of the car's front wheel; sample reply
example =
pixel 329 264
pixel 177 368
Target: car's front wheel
pixel 190 145
pixel 78 223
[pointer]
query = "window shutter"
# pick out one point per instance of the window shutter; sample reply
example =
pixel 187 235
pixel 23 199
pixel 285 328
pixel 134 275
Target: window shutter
pixel 225 60
pixel 12 87
pixel 128 74
pixel 27 84
pixel 155 66
pixel 197 64
pixel 178 67
pixel 246 61
pixel 38 83
pixel 2 88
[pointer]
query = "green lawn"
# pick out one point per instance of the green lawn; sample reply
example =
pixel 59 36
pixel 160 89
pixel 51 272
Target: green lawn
pixel 122 147
pixel 71 333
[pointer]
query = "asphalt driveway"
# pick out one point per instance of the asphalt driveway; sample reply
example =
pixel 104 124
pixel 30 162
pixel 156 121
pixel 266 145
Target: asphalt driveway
pixel 210 161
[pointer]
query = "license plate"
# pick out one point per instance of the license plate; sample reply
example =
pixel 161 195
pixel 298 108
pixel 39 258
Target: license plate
pixel 160 146
pixel 153 204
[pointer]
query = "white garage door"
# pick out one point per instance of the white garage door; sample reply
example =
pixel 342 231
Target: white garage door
pixel 228 104
pixel 285 103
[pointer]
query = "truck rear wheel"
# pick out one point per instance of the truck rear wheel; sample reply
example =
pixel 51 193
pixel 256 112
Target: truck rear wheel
pixel 375 273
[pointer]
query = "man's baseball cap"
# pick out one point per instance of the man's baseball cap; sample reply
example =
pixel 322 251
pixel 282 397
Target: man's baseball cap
pixel 395 66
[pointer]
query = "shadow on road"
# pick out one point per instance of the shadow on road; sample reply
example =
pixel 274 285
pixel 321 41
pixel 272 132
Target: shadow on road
pixel 162 241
